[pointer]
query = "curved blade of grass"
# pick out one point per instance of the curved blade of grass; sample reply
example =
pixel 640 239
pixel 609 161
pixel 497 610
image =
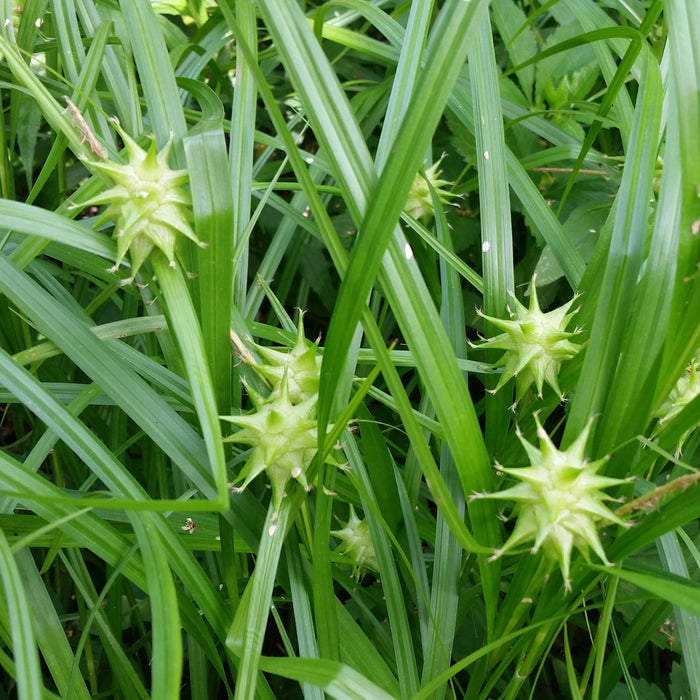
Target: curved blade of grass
pixel 405 656
pixel 675 589
pixel 26 656
pixel 205 149
pixel 494 198
pixel 155 72
pixel 97 359
pixel 95 534
pixel 30 220
pixel 624 257
pixel 166 662
pixel 252 618
pixel 337 679
pixel 683 18
pixel 73 432
pixel 51 636
pixel 688 625
pixel 185 327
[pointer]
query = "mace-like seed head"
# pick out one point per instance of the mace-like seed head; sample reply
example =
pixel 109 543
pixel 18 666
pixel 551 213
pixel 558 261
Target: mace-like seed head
pixel 419 203
pixel 148 204
pixel 301 364
pixel 560 502
pixel 284 438
pixel 535 343
pixel 356 545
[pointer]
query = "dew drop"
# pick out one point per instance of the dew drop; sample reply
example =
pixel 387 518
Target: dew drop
pixel 408 252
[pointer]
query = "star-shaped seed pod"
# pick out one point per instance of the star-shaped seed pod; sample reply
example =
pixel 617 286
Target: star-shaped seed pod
pixel 301 364
pixel 148 204
pixel 356 545
pixel 536 344
pixel 560 502
pixel 284 438
pixel 419 203
pixel 685 390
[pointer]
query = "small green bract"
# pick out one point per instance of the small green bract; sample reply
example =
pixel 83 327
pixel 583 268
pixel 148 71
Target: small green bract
pixel 560 502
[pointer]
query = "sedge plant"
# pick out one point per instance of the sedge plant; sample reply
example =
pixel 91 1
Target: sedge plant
pixel 470 471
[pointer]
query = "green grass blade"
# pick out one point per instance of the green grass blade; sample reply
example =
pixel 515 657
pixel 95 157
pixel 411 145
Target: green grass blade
pixel 683 18
pixel 252 618
pixel 407 70
pixel 51 636
pixel 205 149
pixel 624 258
pixel 155 72
pixel 433 86
pixel 494 196
pixel 649 313
pixel 688 625
pixel 405 656
pixel 675 589
pixel 166 663
pixel 185 327
pixel 26 656
pixel 74 336
pixel 122 88
pixel 242 141
pixel 338 680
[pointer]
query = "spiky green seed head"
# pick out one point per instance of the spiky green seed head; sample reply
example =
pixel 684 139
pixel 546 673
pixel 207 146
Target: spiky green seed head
pixel 148 204
pixel 356 545
pixel 685 390
pixel 419 203
pixel 535 343
pixel 560 502
pixel 301 364
pixel 283 436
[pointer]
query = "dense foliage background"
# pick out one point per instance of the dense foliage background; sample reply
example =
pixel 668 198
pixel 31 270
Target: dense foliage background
pixel 403 175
